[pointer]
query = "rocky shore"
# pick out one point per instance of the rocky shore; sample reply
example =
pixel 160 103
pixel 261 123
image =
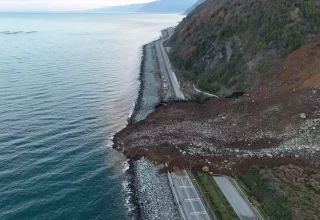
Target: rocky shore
pixel 150 193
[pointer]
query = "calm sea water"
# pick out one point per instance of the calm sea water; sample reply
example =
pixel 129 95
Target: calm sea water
pixel 64 92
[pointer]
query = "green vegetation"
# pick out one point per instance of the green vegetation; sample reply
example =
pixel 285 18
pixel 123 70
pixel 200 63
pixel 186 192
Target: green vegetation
pixel 214 197
pixel 228 44
pixel 303 200
pixel 263 190
pixel 305 195
pixel 224 79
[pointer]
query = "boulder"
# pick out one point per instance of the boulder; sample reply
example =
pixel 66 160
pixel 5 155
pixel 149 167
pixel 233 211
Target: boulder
pixel 303 115
pixel 205 169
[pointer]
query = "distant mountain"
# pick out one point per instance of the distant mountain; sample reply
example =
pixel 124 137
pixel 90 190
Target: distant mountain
pixel 167 6
pixel 120 9
pixel 160 6
pixel 194 6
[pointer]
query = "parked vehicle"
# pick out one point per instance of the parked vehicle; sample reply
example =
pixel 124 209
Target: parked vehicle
pixel 165 86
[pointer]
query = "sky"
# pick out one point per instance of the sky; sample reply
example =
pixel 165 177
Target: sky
pixel 61 5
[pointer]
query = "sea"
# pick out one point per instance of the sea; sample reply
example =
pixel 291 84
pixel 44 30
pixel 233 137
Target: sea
pixel 68 83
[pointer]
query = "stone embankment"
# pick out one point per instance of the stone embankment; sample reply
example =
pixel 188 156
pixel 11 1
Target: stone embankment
pixel 150 191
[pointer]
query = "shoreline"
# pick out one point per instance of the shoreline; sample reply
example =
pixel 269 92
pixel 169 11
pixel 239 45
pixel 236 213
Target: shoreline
pixel 135 213
pixel 137 105
pixel 130 172
pixel 149 193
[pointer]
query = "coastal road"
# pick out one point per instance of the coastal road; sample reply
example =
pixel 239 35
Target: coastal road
pixel 174 81
pixel 164 72
pixel 238 203
pixel 190 205
pixel 187 197
pixel 166 68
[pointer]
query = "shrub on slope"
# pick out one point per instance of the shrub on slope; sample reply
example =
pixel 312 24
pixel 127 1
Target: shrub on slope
pixel 226 45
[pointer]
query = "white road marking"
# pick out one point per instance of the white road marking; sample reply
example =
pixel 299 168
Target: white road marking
pixel 185 187
pixel 193 200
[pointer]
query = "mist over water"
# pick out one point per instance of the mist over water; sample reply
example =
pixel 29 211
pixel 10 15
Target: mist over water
pixel 65 90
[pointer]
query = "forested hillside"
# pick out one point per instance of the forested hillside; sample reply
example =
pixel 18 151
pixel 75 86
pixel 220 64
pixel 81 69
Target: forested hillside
pixel 226 45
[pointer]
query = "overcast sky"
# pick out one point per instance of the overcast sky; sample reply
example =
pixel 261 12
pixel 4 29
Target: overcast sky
pixel 60 5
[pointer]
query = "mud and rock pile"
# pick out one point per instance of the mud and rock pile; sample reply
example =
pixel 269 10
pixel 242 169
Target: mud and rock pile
pixel 276 123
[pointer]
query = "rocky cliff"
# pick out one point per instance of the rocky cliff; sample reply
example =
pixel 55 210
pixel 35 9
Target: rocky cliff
pixel 226 45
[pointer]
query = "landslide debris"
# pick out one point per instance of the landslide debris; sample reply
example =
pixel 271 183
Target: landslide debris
pixel 225 46
pixel 264 127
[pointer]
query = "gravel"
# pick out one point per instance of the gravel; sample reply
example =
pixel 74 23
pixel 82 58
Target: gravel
pixel 152 191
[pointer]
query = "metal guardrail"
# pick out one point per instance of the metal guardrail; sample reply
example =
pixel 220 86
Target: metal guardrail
pixel 203 198
pixel 208 94
pixel 244 195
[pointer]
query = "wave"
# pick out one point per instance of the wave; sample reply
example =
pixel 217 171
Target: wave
pixel 17 32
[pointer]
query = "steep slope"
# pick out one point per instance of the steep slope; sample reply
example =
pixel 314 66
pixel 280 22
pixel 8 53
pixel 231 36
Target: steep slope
pixel 199 2
pixel 167 6
pixel 226 45
pixel 278 122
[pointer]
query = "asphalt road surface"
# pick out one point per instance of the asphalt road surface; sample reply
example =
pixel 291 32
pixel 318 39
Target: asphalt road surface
pixel 238 203
pixel 174 91
pixel 188 198
pixel 164 72
pixel 174 81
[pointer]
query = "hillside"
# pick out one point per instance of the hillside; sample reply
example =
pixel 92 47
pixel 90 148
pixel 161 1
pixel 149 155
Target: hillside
pixel 226 45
